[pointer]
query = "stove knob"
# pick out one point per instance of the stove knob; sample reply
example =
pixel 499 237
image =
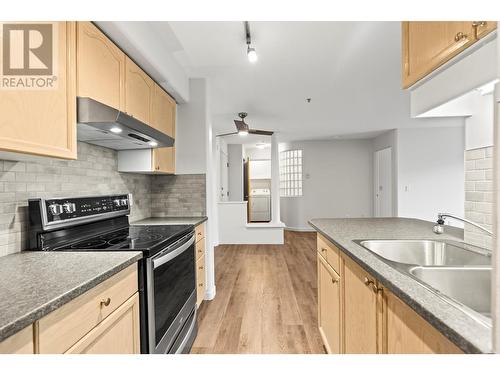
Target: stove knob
pixel 69 207
pixel 56 209
pixel 117 202
pixel 123 202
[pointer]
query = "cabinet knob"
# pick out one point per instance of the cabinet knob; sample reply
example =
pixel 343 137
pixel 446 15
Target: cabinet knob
pixel 200 267
pixel 200 284
pixel 334 281
pixel 323 249
pixel 460 36
pixel 105 302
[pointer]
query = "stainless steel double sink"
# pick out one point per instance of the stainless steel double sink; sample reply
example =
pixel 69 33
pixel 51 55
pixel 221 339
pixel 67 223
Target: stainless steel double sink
pixel 457 272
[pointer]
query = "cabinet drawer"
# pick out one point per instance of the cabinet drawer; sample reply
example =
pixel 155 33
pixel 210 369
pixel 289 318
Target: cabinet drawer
pixel 62 328
pixel 200 232
pixel 200 280
pixel 329 252
pixel 117 334
pixel 200 249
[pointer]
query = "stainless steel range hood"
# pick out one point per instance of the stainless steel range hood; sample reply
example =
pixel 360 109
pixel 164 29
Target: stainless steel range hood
pixel 96 121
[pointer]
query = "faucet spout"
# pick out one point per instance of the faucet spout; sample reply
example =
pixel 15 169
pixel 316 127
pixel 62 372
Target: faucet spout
pixel 439 227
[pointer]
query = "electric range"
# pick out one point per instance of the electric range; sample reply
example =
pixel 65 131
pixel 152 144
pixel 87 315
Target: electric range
pixel 167 275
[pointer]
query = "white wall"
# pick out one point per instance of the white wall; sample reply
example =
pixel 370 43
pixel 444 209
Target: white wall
pixel 431 171
pixel 190 137
pixel 338 181
pixel 254 153
pixel 385 140
pixel 466 74
pixel 235 156
pixel 479 126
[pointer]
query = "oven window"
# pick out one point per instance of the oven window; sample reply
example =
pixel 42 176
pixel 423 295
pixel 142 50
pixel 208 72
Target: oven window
pixel 174 282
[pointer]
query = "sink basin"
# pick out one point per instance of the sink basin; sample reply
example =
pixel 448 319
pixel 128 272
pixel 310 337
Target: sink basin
pixel 458 273
pixel 426 252
pixel 470 286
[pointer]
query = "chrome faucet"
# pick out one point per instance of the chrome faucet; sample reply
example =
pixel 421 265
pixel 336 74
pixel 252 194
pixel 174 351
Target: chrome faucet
pixel 439 228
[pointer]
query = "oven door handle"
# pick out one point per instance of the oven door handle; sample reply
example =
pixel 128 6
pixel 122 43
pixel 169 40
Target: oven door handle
pixel 171 255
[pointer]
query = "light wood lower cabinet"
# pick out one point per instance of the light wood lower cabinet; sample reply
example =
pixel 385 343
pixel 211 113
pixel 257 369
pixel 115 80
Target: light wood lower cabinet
pixel 200 263
pixel 408 333
pixel 117 334
pixel 106 311
pixel 19 343
pixel 329 309
pixel 361 331
pixel 42 121
pixel 358 315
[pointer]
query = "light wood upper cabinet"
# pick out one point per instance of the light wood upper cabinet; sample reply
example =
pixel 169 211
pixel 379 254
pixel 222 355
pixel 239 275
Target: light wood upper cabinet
pixel 43 121
pixel 164 160
pixel 139 92
pixel 426 45
pixel 163 112
pixel 100 67
pixel 329 308
pixel 361 311
pixel 408 333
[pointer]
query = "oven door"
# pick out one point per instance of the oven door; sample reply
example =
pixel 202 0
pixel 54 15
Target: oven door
pixel 171 284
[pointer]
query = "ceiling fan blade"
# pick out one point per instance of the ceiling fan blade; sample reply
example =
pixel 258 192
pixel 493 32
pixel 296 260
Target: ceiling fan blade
pixel 260 132
pixel 240 125
pixel 222 135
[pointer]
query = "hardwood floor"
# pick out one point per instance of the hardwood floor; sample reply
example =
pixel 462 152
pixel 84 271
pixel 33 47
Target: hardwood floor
pixel 266 299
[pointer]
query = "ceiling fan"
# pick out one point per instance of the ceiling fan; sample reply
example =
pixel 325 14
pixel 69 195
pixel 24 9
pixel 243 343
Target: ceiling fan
pixel 243 129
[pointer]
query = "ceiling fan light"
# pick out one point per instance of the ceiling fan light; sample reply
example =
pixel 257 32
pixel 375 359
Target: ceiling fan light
pixel 242 132
pixel 252 55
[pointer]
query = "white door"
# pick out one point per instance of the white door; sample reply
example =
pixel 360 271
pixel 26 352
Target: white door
pixel 383 182
pixel 224 178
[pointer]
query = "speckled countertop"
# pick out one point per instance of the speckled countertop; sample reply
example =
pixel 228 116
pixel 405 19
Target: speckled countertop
pixel 33 284
pixel 467 333
pixel 171 220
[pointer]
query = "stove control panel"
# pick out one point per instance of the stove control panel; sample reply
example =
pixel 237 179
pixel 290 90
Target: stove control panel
pixel 62 209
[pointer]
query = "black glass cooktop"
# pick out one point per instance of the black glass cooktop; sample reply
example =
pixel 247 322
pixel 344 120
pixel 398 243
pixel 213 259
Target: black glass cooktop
pixel 138 238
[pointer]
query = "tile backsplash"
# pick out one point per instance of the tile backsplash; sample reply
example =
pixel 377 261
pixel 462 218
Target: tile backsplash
pixel 93 173
pixel 479 195
pixel 180 195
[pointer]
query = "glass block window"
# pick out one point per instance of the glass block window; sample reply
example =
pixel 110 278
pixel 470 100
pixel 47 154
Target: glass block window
pixel 291 173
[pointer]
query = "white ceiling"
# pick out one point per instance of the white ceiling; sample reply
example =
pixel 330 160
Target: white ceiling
pixel 350 70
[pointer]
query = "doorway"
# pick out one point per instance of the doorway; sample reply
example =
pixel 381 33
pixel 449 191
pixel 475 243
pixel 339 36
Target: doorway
pixel 383 182
pixel 224 177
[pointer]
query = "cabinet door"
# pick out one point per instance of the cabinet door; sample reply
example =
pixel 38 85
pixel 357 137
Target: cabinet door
pixel 164 160
pixel 19 343
pixel 361 311
pixel 43 121
pixel 200 280
pixel 329 312
pixel 429 44
pixel 408 333
pixel 139 92
pixel 101 67
pixel 117 334
pixel 163 115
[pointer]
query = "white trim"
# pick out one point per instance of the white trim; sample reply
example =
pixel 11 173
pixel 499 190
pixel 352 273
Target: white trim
pixel 295 229
pixel 266 225
pixel 210 294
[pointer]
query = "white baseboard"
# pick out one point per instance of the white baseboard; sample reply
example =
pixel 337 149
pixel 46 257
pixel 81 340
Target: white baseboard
pixel 292 229
pixel 210 294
